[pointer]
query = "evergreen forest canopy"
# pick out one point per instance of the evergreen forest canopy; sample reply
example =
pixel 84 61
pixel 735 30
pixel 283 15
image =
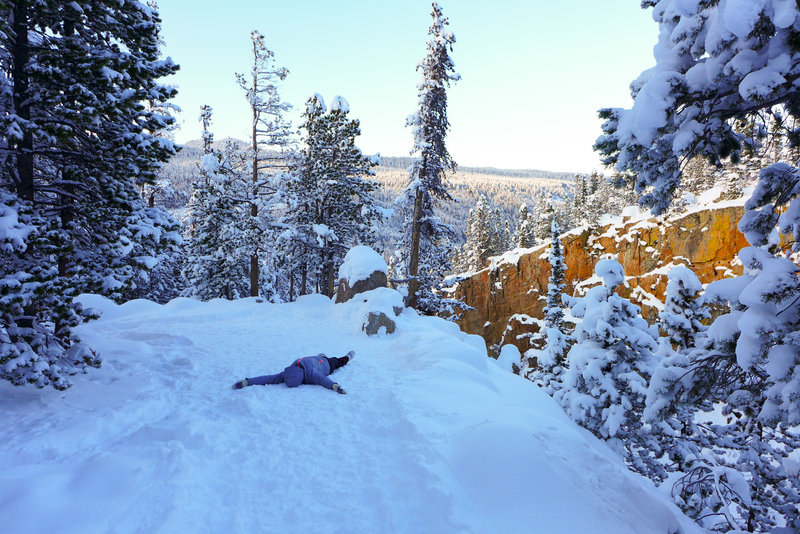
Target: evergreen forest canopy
pixel 96 198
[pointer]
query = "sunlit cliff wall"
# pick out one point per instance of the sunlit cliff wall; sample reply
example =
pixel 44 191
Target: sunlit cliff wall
pixel 510 293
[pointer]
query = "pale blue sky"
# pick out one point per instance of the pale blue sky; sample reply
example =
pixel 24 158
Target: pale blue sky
pixel 534 72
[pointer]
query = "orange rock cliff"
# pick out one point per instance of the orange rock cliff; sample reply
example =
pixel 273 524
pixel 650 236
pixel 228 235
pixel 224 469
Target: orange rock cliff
pixel 509 296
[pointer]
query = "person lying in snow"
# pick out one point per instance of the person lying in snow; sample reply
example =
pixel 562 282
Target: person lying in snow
pixel 308 370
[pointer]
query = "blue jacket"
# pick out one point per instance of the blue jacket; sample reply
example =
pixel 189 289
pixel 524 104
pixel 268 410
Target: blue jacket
pixel 315 371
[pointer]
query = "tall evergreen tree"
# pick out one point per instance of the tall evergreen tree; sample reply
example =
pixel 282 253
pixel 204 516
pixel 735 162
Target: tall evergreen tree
pixel 79 128
pixel 545 214
pixel 332 204
pixel 525 236
pixel 580 201
pixel 427 235
pixel 486 234
pixel 553 357
pixel 270 135
pixel 216 264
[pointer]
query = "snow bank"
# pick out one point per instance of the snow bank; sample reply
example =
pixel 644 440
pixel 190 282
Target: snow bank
pixel 430 438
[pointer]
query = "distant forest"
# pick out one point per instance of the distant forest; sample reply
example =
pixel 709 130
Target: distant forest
pixel 506 189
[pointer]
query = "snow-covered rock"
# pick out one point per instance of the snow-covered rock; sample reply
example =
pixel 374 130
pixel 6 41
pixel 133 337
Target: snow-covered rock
pixel 509 356
pixel 363 269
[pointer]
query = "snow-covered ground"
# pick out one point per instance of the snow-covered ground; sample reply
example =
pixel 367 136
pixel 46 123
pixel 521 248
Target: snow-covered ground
pixel 432 437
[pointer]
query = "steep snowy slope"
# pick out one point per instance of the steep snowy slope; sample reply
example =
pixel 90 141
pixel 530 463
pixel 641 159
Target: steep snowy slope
pixel 432 437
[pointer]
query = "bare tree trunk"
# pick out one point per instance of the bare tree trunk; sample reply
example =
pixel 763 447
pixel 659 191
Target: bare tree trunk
pixel 331 281
pixel 303 279
pixel 413 260
pixel 253 207
pixel 20 55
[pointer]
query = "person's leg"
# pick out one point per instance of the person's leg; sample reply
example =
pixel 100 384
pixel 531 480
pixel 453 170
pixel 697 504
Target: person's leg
pixel 335 362
pixel 265 380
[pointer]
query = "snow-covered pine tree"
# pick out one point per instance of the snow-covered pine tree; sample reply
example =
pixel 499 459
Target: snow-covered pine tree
pixel 332 207
pixel 681 320
pixel 162 280
pixel 499 237
pixel 545 213
pixel 426 236
pixel 78 138
pixel 270 136
pixel 216 266
pixel 719 63
pixel 609 366
pixel 683 311
pixel 736 473
pixel 580 203
pixel 485 234
pixel 298 242
pixel 595 205
pixel 689 108
pixel 749 362
pixel 206 116
pixel 553 357
pixel 524 237
pixel 457 260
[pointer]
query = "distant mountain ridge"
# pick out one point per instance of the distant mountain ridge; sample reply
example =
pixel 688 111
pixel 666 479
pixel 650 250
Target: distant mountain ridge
pixel 403 162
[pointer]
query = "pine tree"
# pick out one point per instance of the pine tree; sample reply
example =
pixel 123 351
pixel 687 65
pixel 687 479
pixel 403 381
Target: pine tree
pixel 269 137
pixel 683 311
pixel 487 234
pixel 457 260
pixel 216 266
pixel 545 214
pixel 427 236
pixel 553 357
pixel 524 236
pixel 498 237
pixel 580 202
pixel 332 204
pixel 747 362
pixel 692 109
pixel 734 472
pixel 595 204
pixel 609 366
pixel 79 123
pixel 477 248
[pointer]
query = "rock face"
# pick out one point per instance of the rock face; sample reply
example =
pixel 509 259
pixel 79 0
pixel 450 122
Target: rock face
pixel 508 297
pixel 344 292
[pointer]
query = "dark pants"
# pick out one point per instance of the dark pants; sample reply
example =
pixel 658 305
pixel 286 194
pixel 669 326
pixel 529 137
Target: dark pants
pixel 335 362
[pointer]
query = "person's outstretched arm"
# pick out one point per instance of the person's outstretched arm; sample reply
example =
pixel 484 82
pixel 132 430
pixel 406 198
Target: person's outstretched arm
pixel 324 381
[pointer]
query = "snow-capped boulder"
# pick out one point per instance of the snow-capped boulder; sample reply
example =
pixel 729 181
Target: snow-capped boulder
pixel 509 357
pixel 363 270
pixel 377 309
